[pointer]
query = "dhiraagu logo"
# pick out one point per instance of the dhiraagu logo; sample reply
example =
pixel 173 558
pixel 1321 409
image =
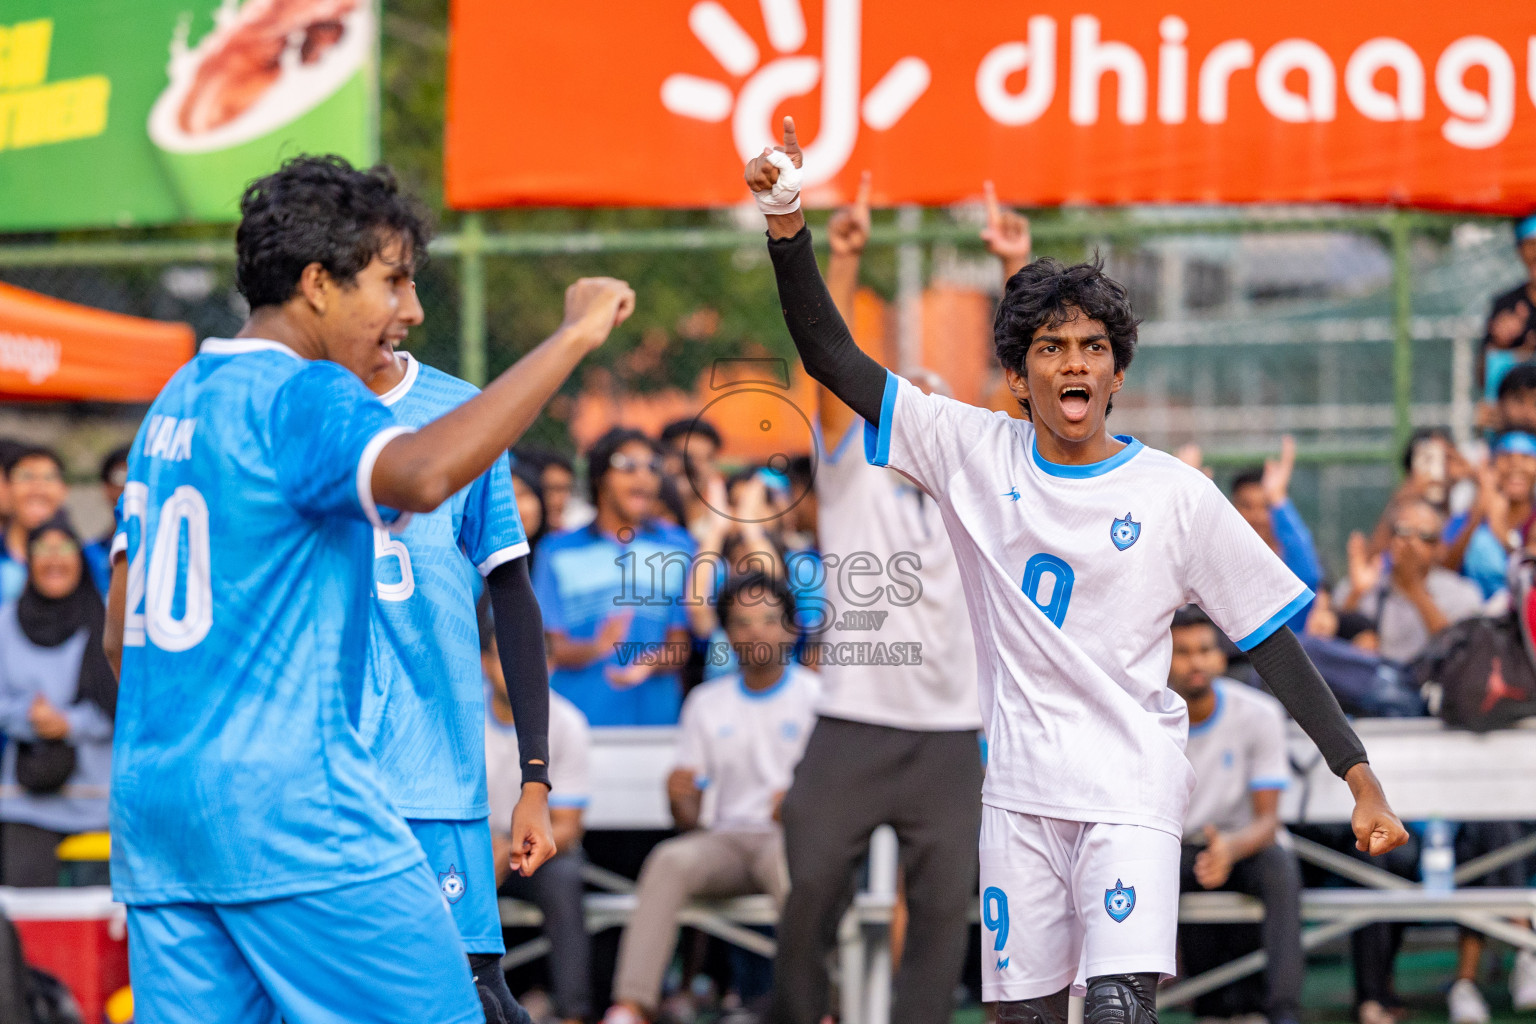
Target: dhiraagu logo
pixel 35 111
pixel 769 84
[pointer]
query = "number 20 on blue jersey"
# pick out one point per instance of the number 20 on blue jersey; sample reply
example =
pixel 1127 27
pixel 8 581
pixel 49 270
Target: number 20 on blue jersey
pixel 157 573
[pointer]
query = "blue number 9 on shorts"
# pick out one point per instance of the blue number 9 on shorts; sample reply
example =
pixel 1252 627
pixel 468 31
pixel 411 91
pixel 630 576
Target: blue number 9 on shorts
pixel 997 922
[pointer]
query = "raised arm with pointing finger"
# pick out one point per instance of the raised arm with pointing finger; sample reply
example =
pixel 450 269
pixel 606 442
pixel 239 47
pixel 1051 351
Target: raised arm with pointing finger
pixel 820 334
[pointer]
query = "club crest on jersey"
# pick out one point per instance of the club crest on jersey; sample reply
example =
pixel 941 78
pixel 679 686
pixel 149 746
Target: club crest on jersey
pixel 1120 901
pixel 452 883
pixel 1124 532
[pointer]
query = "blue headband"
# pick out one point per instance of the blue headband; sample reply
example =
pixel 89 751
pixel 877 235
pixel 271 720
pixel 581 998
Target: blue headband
pixel 1525 228
pixel 1516 441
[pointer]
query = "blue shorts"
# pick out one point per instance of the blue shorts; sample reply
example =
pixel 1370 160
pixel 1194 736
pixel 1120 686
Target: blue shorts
pixel 459 854
pixel 378 952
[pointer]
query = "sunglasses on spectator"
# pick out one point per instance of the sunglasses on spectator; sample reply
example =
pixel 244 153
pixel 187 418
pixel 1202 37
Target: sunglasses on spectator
pixel 625 464
pixel 55 549
pixel 1408 533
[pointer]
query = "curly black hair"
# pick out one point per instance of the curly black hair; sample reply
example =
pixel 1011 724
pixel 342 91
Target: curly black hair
pixel 602 451
pixel 1048 293
pixel 321 209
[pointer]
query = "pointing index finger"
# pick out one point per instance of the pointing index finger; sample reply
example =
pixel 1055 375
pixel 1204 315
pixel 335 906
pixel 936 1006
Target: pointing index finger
pixel 791 144
pixel 861 198
pixel 993 212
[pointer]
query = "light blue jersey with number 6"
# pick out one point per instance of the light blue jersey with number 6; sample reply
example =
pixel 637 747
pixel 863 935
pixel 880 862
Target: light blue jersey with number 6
pixel 248 519
pixel 423 714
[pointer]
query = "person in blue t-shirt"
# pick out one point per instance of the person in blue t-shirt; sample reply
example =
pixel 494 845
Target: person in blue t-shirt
pixel 1480 540
pixel 265 867
pixel 423 699
pixel 612 593
pixel 36 490
pixel 1262 496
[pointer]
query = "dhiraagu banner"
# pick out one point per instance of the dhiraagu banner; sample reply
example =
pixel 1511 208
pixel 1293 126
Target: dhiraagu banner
pixel 116 113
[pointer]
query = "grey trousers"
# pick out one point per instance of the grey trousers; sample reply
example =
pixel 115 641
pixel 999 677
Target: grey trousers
pixel 557 889
pixel 1274 876
pixel 706 865
pixel 853 778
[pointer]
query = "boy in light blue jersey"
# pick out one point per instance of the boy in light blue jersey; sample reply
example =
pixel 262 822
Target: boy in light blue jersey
pixel 266 870
pixel 423 703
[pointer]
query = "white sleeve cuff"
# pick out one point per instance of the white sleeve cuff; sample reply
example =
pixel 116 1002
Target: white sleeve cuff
pixel 365 479
pixel 502 557
pixel 119 546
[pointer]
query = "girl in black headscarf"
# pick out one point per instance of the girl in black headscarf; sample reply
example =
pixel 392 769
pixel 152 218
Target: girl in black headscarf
pixel 58 697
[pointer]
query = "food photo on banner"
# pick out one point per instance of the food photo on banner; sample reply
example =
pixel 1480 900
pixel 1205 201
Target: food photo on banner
pixel 1062 101
pixel 186 101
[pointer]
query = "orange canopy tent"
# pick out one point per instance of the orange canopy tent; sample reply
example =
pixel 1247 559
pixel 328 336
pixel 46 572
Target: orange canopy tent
pixel 57 351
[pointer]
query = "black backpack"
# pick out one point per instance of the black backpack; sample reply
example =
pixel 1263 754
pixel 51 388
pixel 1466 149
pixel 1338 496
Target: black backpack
pixel 1482 672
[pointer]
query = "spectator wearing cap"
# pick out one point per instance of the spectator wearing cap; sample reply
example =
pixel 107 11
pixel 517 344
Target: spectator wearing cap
pixel 1232 833
pixel 612 593
pixel 1510 337
pixel 114 477
pixel 1262 496
pixel 557 886
pixel 738 743
pixel 35 480
pixel 1407 591
pixel 58 697
pixel 1479 541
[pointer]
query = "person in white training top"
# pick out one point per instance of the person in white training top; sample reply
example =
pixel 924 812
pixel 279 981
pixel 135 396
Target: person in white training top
pixel 896 738
pixel 1232 835
pixel 738 741
pixel 1075 548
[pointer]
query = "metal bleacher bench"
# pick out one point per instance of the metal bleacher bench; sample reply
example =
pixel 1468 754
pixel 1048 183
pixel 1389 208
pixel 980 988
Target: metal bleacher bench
pixel 1427 770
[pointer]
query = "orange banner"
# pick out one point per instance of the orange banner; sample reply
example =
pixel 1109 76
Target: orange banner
pixel 1098 101
pixel 55 350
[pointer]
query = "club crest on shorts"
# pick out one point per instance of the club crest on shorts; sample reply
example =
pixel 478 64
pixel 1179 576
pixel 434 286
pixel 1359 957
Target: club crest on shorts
pixel 1120 901
pixel 452 883
pixel 1124 532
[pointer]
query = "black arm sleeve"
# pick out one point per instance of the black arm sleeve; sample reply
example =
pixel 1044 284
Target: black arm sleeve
pixel 826 347
pixel 520 642
pixel 1290 675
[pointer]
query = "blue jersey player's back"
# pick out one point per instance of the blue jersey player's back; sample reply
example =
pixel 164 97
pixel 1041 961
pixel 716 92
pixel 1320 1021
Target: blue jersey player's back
pixel 237 773
pixel 423 709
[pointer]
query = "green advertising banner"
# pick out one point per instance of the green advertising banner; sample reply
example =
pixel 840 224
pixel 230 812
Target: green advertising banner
pixel 116 113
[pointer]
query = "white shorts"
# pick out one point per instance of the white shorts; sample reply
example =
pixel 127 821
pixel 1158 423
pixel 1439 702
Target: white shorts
pixel 1065 901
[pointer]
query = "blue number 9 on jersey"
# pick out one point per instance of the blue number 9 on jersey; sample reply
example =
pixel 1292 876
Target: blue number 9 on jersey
pixel 995 920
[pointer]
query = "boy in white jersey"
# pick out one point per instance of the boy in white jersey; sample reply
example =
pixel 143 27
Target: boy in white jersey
pixel 1075 548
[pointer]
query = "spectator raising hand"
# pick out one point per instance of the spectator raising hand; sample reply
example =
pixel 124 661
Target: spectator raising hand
pixel 1276 480
pixel 1006 234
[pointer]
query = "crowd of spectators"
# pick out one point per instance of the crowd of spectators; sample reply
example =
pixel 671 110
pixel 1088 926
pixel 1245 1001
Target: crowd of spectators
pixel 681 587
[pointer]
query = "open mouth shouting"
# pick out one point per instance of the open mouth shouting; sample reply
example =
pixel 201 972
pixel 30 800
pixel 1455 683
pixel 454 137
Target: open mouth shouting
pixel 1075 400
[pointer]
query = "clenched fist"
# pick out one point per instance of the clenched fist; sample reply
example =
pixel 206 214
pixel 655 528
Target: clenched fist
pixel 594 306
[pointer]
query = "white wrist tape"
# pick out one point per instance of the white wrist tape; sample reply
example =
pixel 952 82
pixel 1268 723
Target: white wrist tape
pixel 784 197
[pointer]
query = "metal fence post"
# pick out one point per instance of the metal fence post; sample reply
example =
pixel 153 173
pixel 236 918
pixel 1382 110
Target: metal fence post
pixel 472 299
pixel 1402 330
